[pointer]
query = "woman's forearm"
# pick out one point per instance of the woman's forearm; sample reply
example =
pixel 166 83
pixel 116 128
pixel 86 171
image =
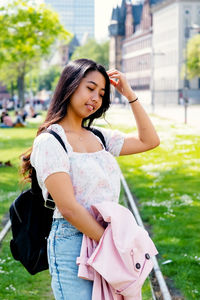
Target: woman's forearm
pixel 80 218
pixel 146 131
pixel 59 185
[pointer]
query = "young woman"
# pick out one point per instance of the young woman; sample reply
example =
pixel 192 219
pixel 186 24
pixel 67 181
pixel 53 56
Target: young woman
pixel 88 173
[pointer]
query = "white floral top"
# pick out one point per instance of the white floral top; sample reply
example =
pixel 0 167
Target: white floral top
pixel 95 176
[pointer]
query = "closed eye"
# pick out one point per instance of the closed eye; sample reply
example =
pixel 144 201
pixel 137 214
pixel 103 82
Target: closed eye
pixel 91 89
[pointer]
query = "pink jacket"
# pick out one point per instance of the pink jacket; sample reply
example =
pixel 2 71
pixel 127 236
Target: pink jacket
pixel 121 261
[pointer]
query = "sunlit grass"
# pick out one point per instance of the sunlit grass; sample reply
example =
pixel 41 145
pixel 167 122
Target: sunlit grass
pixel 166 182
pixel 14 141
pixel 15 281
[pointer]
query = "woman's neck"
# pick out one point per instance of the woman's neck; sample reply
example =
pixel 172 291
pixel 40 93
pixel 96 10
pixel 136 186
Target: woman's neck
pixel 71 124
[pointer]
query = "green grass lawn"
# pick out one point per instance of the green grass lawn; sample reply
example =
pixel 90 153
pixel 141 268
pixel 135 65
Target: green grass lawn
pixel 14 142
pixel 166 184
pixel 15 281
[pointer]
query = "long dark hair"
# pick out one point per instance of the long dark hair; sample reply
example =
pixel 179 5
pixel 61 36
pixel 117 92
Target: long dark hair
pixel 69 81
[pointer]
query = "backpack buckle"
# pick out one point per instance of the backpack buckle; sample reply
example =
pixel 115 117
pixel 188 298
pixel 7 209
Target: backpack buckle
pixel 49 203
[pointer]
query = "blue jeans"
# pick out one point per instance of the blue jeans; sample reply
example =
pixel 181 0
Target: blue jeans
pixel 64 245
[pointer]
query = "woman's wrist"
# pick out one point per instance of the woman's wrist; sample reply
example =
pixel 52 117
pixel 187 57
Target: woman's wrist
pixel 132 96
pixel 134 100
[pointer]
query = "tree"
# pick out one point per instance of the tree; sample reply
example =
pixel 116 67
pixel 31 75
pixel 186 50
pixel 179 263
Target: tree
pixel 95 51
pixel 27 32
pixel 48 78
pixel 193 57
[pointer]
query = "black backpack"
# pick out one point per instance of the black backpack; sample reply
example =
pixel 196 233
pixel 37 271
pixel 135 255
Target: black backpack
pixel 31 219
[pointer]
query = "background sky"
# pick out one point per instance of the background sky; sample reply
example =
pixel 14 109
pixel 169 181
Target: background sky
pixel 103 11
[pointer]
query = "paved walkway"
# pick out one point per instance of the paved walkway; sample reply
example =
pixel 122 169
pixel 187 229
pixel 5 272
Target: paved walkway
pixel 177 114
pixel 119 114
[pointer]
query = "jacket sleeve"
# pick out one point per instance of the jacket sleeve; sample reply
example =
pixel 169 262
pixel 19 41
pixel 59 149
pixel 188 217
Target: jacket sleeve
pixel 123 256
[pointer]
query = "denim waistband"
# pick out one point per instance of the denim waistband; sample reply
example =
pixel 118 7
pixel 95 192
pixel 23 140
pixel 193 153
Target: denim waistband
pixel 61 223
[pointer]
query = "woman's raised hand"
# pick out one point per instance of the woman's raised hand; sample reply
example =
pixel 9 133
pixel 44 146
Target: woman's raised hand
pixel 119 81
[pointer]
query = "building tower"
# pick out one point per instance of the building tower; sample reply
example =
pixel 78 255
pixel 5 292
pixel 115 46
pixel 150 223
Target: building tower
pixel 77 16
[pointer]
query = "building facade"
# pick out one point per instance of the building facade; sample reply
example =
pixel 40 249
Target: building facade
pixel 77 16
pixel 135 44
pixel 152 48
pixel 137 48
pixel 171 84
pixel 117 33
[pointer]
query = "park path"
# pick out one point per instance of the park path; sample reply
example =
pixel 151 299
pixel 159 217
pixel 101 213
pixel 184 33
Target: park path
pixel 122 115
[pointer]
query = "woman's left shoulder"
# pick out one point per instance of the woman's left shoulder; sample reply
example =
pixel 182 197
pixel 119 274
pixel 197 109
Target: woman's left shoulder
pixel 114 139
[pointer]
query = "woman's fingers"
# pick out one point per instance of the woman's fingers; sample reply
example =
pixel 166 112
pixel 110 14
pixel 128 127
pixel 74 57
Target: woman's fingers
pixel 113 82
pixel 119 81
pixel 115 76
pixel 112 72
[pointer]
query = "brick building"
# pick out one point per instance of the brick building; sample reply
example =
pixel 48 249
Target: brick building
pixel 148 48
pixel 131 43
pixel 171 84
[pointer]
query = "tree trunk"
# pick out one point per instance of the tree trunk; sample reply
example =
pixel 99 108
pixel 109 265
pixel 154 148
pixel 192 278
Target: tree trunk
pixel 20 87
pixel 12 90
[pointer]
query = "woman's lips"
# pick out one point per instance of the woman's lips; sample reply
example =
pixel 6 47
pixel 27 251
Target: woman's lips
pixel 90 107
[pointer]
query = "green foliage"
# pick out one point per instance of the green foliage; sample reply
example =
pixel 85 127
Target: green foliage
pixel 37 80
pixel 193 57
pixel 27 32
pixel 95 51
pixel 49 78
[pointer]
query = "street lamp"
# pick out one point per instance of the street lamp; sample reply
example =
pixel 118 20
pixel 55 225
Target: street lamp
pixel 152 78
pixel 186 81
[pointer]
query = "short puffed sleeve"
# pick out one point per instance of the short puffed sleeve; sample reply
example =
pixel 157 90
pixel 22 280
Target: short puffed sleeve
pixel 114 140
pixel 48 157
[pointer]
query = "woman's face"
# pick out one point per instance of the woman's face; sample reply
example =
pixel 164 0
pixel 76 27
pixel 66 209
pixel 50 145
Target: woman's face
pixel 88 97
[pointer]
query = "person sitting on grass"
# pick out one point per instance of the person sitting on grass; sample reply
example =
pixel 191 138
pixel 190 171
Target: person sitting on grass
pixel 33 114
pixel 18 121
pixel 24 115
pixel 6 120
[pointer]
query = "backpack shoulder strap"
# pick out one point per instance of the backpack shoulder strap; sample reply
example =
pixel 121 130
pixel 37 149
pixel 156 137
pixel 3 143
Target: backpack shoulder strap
pixel 35 188
pixel 99 134
pixel 57 137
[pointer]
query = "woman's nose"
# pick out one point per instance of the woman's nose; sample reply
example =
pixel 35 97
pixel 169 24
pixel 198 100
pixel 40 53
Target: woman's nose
pixel 95 97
